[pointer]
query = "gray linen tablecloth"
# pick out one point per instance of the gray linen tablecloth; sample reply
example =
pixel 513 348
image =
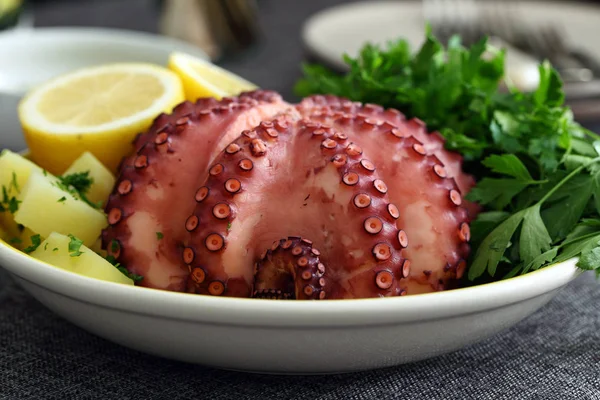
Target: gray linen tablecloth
pixel 554 354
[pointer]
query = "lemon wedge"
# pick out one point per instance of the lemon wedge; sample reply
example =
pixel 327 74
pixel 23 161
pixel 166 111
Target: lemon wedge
pixel 97 109
pixel 203 79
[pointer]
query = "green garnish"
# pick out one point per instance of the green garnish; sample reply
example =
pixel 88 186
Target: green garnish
pixel 74 246
pixel 55 249
pixel 15 240
pixel 9 202
pixel 79 181
pixel 123 270
pixel 159 235
pixel 46 246
pixel 114 246
pixel 228 226
pixel 13 182
pixel 78 184
pixel 62 199
pixel 537 170
pixel 36 240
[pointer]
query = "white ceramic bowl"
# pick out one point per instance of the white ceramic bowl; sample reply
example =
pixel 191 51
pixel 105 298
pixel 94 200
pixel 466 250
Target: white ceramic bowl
pixel 250 334
pixel 32 56
pixel 287 337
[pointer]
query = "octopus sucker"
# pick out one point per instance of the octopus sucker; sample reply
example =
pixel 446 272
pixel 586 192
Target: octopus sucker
pixel 293 272
pixel 437 218
pixel 158 183
pixel 264 235
pixel 251 196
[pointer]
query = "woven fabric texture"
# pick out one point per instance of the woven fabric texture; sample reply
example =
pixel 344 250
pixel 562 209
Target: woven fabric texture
pixel 554 354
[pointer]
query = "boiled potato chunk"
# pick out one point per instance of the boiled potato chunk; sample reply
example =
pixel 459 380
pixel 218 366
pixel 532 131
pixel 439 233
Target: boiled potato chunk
pixel 15 168
pixel 14 174
pixel 46 208
pixel 103 178
pixel 55 251
pixel 19 238
pixel 97 248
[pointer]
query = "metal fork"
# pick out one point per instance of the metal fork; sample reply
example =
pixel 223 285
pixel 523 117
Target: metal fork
pixel 546 42
pixel 450 17
pixel 471 20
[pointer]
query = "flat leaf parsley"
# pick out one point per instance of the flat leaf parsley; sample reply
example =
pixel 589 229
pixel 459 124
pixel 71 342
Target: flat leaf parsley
pixel 537 170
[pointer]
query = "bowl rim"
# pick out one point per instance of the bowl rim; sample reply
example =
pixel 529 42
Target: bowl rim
pixel 49 38
pixel 276 313
pixel 281 313
pixel 83 33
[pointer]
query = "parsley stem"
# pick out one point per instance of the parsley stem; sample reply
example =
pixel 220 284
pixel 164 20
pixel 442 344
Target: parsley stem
pixel 566 179
pixel 584 237
pixel 591 134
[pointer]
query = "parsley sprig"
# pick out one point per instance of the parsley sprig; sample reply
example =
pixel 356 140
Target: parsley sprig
pixel 123 270
pixel 77 184
pixel 537 170
pixel 9 201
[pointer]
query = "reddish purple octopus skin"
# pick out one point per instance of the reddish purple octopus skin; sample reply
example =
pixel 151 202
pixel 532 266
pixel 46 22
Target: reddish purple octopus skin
pixel 256 197
pixel 245 208
pixel 156 183
pixel 428 191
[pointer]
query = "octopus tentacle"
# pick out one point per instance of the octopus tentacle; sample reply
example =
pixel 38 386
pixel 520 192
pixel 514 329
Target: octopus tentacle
pixel 433 142
pixel 290 269
pixel 145 218
pixel 297 178
pixel 431 207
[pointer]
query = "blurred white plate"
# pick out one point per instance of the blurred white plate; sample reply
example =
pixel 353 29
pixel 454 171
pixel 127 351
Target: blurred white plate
pixel 287 336
pixel 32 56
pixel 346 28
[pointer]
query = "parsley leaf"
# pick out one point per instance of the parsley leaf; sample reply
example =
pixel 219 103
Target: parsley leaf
pixel 74 246
pixel 494 245
pixel 590 259
pixel 534 239
pixel 508 164
pixel 499 192
pixel 36 240
pixel 568 206
pixel 78 184
pixel 159 235
pixel 79 181
pixel 123 270
pixel 9 202
pixel 537 170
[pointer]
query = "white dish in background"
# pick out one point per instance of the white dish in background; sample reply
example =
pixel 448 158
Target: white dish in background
pixel 32 56
pixel 346 28
pixel 287 337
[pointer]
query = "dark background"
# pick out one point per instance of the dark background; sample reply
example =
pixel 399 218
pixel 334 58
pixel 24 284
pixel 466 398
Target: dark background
pixel 273 62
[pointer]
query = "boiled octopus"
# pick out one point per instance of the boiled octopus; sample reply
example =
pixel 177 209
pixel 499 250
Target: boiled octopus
pixel 252 196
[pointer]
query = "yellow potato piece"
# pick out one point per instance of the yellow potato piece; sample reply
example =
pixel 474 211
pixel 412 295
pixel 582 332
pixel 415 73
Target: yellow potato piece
pixel 17 238
pixel 46 208
pixel 97 248
pixel 14 174
pixel 14 168
pixel 203 79
pixel 103 179
pixel 55 251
